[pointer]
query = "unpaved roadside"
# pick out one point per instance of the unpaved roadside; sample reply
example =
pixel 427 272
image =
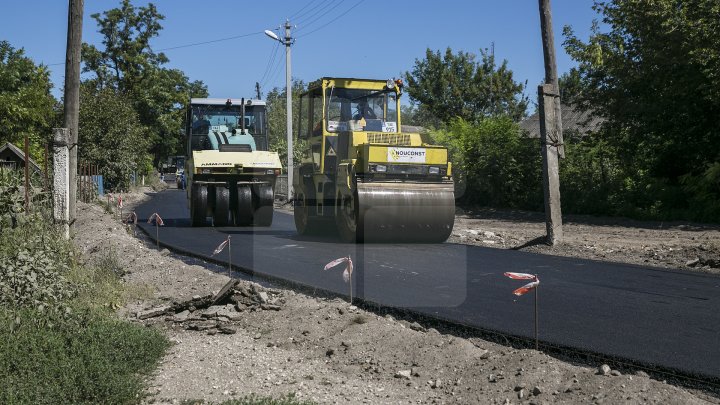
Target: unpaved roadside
pixel 679 245
pixel 327 351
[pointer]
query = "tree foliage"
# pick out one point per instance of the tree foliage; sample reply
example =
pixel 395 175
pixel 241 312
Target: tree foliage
pixel 26 105
pixel 111 135
pixel 128 65
pixel 277 120
pixel 653 71
pixel 571 85
pixel 655 74
pixel 453 86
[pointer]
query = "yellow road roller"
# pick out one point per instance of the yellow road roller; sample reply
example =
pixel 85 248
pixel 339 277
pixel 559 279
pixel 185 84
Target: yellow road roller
pixel 362 174
pixel 229 171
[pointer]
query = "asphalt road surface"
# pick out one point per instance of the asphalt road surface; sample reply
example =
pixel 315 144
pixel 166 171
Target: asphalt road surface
pixel 652 316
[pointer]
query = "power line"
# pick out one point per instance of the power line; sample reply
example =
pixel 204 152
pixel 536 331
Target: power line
pixel 276 70
pixel 210 41
pixel 297 13
pixel 317 15
pixel 271 60
pixel 192 44
pixel 331 21
pixel 306 15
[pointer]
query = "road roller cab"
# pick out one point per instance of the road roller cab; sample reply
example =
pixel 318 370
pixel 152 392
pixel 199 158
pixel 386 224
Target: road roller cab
pixel 364 176
pixel 230 174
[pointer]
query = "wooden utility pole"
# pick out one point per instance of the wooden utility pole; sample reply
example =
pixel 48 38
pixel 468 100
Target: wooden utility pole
pixel 550 129
pixel 72 93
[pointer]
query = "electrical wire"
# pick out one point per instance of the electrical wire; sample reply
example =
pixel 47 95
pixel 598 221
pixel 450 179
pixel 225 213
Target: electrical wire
pixel 312 19
pixel 272 79
pixel 298 13
pixel 210 41
pixel 191 44
pixel 270 63
pixel 306 15
pixel 331 21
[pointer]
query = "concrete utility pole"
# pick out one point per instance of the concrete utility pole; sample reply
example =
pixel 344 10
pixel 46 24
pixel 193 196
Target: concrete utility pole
pixel 550 129
pixel 288 92
pixel 61 180
pixel 287 41
pixel 72 93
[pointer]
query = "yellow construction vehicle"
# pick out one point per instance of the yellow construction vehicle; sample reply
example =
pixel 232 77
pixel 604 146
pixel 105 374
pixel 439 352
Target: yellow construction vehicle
pixel 361 172
pixel 230 174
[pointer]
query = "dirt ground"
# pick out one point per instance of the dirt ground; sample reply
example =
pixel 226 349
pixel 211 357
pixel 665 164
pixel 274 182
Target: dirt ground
pixel 273 341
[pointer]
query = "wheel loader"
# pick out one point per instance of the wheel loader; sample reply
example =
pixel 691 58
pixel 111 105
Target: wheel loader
pixel 230 173
pixel 363 175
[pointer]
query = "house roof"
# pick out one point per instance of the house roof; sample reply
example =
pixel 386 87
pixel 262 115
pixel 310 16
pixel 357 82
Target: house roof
pixel 19 155
pixel 573 119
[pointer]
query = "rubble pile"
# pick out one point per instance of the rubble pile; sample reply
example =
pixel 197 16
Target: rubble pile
pixel 215 313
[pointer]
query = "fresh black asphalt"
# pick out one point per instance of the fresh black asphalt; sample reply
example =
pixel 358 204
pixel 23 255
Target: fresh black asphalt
pixel 651 316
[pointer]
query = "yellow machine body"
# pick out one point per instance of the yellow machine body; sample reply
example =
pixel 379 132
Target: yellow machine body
pixel 362 173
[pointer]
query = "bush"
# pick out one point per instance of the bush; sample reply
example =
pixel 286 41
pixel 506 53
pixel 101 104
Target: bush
pixel 494 163
pixel 33 258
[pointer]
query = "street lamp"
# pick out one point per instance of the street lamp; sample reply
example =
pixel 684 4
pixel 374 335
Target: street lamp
pixel 287 41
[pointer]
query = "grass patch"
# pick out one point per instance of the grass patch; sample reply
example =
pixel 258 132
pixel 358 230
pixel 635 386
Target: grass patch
pixel 80 359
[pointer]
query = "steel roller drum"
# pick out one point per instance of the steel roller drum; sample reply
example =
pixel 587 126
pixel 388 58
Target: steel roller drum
pixel 405 212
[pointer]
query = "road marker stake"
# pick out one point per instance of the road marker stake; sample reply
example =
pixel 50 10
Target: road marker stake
pixel 158 223
pixel 221 247
pixel 132 217
pixel 347 273
pixel 525 289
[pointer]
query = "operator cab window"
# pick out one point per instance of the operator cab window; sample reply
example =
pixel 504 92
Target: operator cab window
pixel 214 125
pixel 361 110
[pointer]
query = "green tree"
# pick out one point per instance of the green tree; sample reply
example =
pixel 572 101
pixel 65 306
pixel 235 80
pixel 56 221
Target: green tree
pixel 129 65
pixel 459 86
pixel 654 73
pixel 277 121
pixel 26 105
pixel 111 135
pixel 570 86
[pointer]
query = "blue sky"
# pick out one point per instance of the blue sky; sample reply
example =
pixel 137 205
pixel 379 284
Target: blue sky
pixel 350 38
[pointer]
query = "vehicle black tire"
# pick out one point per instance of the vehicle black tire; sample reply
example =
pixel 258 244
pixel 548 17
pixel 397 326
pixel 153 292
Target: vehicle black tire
pixel 263 198
pixel 304 223
pixel 198 204
pixel 244 208
pixel 346 220
pixel 221 210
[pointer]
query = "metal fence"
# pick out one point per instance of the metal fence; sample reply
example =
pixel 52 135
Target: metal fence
pixel 90 182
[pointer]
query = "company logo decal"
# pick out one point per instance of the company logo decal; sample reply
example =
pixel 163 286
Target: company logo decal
pixel 406 155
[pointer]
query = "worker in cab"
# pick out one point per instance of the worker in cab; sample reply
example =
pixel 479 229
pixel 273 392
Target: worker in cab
pixel 364 111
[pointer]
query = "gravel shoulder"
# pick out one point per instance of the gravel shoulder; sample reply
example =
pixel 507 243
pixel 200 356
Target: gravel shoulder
pixel 274 341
